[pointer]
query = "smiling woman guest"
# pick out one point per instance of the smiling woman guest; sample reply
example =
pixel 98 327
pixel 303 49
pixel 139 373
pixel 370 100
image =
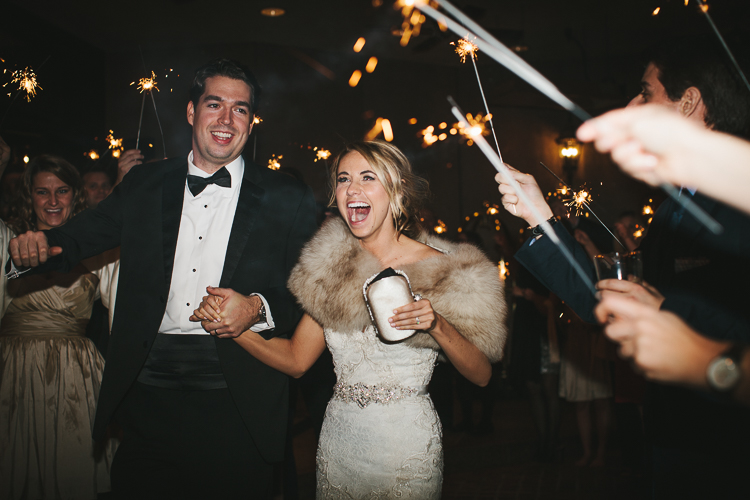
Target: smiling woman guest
pixel 49 371
pixel 381 437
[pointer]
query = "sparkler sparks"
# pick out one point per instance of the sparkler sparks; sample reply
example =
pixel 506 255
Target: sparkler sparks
pixel 147 84
pixel 257 119
pixel 413 20
pixel 464 47
pixel 274 163
pixel 321 154
pixel 440 228
pixel 93 154
pixel 114 143
pixel 428 138
pixel 476 127
pixel 579 200
pixel 502 269
pixel 26 80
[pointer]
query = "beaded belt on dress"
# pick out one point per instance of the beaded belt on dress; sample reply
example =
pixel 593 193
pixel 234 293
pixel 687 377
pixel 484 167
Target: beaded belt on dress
pixel 363 394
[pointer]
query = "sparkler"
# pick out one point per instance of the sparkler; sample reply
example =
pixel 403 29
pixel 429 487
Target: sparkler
pixel 321 154
pixel 503 169
pixel 114 144
pixel 413 20
pixel 26 80
pixel 704 8
pixel 274 163
pixel 147 86
pixel 464 47
pixel 581 197
pixel 505 56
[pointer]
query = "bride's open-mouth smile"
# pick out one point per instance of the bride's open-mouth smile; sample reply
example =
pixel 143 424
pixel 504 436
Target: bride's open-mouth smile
pixel 357 211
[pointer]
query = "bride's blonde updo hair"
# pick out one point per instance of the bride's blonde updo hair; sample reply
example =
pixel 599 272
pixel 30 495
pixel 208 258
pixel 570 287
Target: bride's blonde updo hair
pixel 407 191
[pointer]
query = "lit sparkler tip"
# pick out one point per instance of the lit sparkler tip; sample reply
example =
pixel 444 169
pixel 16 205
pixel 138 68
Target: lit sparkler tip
pixel 322 154
pixel 476 127
pixel 274 163
pixel 464 47
pixel 115 144
pixel 579 200
pixel 26 80
pixel 440 228
pixel 147 84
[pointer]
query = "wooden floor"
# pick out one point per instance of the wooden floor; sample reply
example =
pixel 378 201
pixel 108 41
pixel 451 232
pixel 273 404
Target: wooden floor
pixel 500 465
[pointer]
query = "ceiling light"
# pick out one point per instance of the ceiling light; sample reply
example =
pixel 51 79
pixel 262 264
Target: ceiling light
pixel 273 12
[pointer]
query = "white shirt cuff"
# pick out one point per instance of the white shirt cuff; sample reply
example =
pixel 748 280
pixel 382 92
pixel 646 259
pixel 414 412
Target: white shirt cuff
pixel 268 324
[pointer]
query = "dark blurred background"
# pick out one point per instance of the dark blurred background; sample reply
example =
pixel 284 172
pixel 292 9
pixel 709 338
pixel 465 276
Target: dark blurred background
pixel 87 53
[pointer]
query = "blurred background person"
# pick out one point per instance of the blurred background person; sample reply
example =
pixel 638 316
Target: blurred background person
pixel 50 371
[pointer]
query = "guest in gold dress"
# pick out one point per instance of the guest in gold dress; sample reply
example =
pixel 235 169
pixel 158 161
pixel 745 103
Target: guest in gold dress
pixel 49 371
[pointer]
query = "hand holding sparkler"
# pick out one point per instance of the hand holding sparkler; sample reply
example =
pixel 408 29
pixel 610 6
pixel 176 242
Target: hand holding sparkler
pixel 127 160
pixel 513 204
pixel 651 143
pixel 547 229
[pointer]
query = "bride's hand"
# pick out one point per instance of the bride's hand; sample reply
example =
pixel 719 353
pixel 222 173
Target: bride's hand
pixel 208 309
pixel 418 315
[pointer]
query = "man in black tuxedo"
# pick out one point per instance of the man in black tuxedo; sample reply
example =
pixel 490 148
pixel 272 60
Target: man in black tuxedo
pixel 201 417
pixel 699 441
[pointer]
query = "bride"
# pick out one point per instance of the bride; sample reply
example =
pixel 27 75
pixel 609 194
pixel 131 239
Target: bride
pixel 381 437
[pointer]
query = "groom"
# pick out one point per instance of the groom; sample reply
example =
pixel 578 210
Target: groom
pixel 201 417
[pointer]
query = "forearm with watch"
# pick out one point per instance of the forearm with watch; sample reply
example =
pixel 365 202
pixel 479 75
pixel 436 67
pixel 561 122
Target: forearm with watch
pixel 727 373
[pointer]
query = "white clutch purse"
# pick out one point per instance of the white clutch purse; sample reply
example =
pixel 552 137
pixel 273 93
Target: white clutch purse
pixel 384 292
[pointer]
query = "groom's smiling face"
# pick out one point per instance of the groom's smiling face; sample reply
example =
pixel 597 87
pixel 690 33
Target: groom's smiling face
pixel 222 122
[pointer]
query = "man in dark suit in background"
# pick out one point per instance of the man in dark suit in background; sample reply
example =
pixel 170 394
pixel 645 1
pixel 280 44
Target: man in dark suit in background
pixel 699 442
pixel 201 417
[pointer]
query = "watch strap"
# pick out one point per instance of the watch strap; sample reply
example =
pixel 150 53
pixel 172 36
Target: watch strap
pixel 538 230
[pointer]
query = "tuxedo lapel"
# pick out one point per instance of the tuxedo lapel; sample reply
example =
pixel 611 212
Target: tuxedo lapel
pixel 245 218
pixel 173 192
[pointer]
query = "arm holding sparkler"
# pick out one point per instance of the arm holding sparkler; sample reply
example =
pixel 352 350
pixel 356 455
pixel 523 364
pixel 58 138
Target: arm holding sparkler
pixel 542 258
pixel 517 207
pixel 655 145
pixel 128 160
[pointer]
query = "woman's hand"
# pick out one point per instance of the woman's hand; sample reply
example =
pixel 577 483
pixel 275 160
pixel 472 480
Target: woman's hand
pixel 418 315
pixel 208 309
pixel 465 356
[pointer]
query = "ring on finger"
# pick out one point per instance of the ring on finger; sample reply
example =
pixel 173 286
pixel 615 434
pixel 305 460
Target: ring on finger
pixel 417 319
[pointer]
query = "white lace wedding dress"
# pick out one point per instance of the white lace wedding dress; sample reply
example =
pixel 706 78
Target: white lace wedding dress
pixel 381 437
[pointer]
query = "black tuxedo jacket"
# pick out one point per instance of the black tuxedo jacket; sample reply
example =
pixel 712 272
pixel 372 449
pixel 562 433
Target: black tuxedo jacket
pixel 705 280
pixel 275 216
pixel 702 276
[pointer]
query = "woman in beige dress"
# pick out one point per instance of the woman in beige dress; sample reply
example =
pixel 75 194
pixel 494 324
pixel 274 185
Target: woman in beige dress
pixel 49 371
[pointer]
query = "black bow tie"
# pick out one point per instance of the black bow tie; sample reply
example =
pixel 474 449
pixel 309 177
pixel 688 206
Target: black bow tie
pixel 221 177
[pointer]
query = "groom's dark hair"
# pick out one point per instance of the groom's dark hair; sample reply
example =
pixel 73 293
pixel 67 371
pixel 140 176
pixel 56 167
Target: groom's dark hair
pixel 230 69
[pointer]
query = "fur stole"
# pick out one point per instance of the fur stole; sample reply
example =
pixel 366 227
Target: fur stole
pixel 462 285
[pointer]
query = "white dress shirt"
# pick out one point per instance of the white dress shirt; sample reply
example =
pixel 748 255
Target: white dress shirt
pixel 205 226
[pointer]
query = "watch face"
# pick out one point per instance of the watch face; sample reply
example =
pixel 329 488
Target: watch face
pixel 723 373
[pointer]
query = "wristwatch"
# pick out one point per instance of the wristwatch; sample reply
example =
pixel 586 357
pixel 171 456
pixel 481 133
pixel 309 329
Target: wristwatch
pixel 723 372
pixel 538 230
pixel 262 318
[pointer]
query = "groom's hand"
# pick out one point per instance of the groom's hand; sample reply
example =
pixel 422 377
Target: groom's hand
pixel 31 249
pixel 230 312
